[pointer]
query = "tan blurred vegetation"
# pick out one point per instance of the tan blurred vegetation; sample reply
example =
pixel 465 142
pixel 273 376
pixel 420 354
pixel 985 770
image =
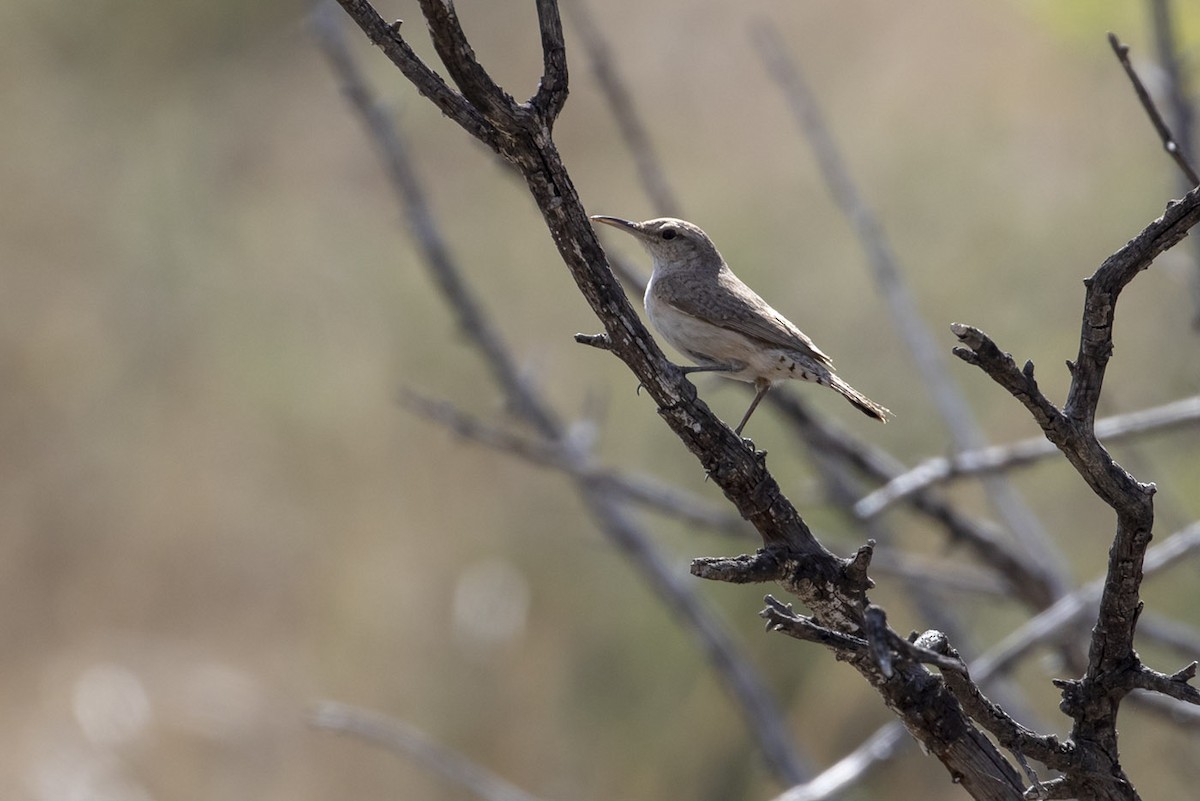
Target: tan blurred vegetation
pixel 214 512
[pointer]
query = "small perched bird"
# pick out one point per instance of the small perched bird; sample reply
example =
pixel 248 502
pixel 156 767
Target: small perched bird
pixel 706 312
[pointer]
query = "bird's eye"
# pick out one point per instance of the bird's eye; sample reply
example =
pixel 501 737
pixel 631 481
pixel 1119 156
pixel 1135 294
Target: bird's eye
pixel 669 233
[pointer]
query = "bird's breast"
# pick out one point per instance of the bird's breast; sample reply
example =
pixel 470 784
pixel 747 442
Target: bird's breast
pixel 709 344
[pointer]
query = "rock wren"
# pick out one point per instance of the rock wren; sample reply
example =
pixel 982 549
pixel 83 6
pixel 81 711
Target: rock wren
pixel 706 312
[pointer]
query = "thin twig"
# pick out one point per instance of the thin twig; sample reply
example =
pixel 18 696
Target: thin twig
pixel 1160 125
pixel 1022 453
pixel 1182 115
pixel 407 740
pixel 1174 685
pixel 551 93
pixel 926 351
pixel 781 618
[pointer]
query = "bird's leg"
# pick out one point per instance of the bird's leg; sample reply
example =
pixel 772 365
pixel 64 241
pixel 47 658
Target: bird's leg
pixel 763 386
pixel 703 368
pixel 711 368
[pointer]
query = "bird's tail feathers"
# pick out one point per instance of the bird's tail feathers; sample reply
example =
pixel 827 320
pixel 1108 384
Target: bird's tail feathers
pixel 860 401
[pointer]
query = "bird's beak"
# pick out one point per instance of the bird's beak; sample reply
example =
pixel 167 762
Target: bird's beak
pixel 617 222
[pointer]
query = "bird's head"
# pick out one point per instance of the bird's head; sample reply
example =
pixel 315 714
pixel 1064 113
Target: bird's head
pixel 670 242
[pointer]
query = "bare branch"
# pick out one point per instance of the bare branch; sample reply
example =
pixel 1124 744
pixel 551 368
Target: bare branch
pixel 746 569
pixel 1018 454
pixel 551 94
pixel 1100 303
pixel 407 740
pixel 457 55
pixel 885 644
pixel 1160 125
pixel 1011 734
pixel 781 618
pixel 1174 685
pixel 387 38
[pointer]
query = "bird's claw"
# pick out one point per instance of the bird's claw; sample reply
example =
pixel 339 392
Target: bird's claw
pixel 761 456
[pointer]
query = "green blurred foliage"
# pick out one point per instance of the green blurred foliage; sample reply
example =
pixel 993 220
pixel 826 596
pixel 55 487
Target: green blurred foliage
pixel 215 512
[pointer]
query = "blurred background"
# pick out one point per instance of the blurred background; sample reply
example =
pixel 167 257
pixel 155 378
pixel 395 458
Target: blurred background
pixel 214 512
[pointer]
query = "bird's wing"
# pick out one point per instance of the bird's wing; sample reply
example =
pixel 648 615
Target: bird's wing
pixel 738 309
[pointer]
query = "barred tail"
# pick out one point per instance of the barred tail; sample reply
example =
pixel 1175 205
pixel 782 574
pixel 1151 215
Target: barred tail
pixel 864 404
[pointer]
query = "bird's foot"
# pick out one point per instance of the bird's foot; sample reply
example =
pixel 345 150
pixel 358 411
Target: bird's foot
pixel 761 456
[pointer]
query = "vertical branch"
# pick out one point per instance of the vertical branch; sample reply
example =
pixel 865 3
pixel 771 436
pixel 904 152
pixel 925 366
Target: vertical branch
pixel 458 56
pixel 387 38
pixel 1113 665
pixel 552 89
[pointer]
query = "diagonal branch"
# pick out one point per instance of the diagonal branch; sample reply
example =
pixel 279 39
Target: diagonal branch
pixel 1174 685
pixel 837 778
pixel 1160 125
pixel 468 74
pixel 387 38
pixel 1012 735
